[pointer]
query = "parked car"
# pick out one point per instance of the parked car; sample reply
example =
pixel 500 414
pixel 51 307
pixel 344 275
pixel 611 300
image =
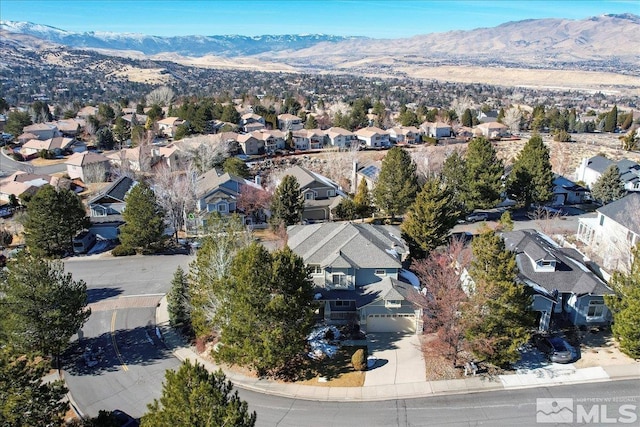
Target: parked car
pixel 477 216
pixel 124 419
pixel 557 349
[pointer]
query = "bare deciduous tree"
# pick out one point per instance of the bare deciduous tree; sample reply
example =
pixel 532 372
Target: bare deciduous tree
pixel 205 151
pixel 95 172
pixel 459 105
pixel 174 193
pixel 440 278
pixel 161 96
pixel 512 118
pixel 252 201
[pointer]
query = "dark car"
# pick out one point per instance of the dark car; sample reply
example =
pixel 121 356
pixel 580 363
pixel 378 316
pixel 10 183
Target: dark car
pixel 124 419
pixel 556 348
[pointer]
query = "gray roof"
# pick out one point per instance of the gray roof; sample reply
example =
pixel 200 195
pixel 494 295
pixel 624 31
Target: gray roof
pixel 599 163
pixel 571 275
pixel 625 211
pixel 360 245
pixel 305 177
pixel 386 289
pixel 117 191
pixel 629 170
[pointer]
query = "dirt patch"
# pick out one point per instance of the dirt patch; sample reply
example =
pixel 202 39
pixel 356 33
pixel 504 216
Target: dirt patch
pixel 46 162
pixel 598 348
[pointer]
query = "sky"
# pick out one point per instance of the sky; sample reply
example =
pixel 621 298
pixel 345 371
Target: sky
pixel 370 18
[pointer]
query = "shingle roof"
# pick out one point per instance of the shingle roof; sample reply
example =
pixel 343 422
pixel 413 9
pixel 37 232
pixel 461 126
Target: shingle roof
pixel 364 245
pixel 625 211
pixel 117 190
pixel 570 275
pixel 599 163
pixel 85 158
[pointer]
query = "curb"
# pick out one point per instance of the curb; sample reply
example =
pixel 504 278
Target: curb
pixel 357 394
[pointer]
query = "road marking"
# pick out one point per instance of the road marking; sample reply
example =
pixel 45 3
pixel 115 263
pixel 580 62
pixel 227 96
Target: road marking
pixel 113 341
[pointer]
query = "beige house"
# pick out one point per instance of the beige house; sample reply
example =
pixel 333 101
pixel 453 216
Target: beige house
pixel 168 126
pixel 373 137
pixel 493 130
pixel 41 130
pixel 405 135
pixel 34 146
pixel 287 122
pixel 339 137
pixel 87 165
pixel 251 145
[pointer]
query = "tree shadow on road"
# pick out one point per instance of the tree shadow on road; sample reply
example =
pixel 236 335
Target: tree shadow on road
pixel 137 346
pixel 98 294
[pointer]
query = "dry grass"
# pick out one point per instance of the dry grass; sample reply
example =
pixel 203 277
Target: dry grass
pixel 436 366
pixel 46 162
pixel 338 371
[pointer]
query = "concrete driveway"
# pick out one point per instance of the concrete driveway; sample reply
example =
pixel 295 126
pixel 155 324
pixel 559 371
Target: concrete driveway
pixel 399 359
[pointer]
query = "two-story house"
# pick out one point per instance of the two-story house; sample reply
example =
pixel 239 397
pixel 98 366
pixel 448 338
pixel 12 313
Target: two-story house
pixel 105 208
pixel 493 130
pixel 250 145
pixel 436 129
pixel 401 135
pixel 610 236
pixel 321 195
pixel 564 289
pixel 373 137
pixel 289 122
pixel 567 192
pixel 88 166
pixel 339 137
pixel 590 170
pixel 355 268
pixel 42 131
pixel 308 139
pixel 169 126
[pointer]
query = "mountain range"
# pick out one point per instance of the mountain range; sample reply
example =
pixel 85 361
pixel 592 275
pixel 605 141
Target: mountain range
pixel 605 44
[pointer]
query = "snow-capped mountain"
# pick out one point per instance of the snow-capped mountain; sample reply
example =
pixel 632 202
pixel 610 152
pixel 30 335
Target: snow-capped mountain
pixel 196 45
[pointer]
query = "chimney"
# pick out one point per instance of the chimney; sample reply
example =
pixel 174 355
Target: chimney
pixel 258 180
pixel 354 177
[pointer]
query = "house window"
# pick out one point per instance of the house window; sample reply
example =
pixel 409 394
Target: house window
pixel 309 195
pixel 380 272
pixel 596 309
pixel 341 303
pixel 222 208
pixel 392 303
pixel 601 219
pixel 630 237
pixel 315 269
pixel 339 279
pixel 331 193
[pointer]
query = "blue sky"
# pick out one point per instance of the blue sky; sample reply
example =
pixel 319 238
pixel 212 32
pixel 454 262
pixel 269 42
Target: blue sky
pixel 372 18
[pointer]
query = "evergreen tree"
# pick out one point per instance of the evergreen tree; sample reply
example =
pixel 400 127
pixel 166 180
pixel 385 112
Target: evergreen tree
pixel 454 176
pixel 54 217
pixel 625 306
pixel 237 167
pixel 467 118
pixel 178 300
pixel 611 120
pixel 531 179
pixel 121 131
pixel 429 219
pixel 230 114
pixel 311 122
pixel 287 203
pixel 16 121
pixel 25 400
pixel 144 220
pixel 609 187
pixel 104 139
pixel 267 313
pixel 194 397
pixel 506 222
pixel 397 183
pixel 484 175
pixel 346 210
pixel 362 200
pixel 499 318
pixel 41 305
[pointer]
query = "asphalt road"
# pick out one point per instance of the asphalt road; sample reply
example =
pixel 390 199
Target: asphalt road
pixel 504 408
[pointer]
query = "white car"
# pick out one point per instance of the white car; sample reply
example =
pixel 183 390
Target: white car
pixel 477 216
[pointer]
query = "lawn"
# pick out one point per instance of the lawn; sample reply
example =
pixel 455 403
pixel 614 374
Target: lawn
pixel 338 371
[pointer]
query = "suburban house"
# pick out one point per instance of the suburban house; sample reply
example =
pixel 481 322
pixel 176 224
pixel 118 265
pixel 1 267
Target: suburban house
pixel 169 126
pixel 170 155
pixel 590 170
pixel 369 172
pixel 610 236
pixel 250 145
pixel 373 137
pixel 70 127
pixel 105 208
pixel 564 289
pixel 272 139
pixel 86 112
pixel 88 166
pixel 308 139
pixel 219 193
pixel 321 195
pixel 20 182
pixel 339 137
pixel 567 192
pixel 287 122
pixel 251 121
pixel 493 130
pixel 56 144
pixel 355 268
pixel 140 158
pixel 436 129
pixel 42 131
pixel 134 119
pixel 405 135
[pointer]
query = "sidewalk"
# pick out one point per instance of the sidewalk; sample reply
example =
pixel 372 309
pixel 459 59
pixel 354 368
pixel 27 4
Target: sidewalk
pixel 567 374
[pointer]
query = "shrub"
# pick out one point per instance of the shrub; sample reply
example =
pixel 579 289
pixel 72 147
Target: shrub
pixel 122 250
pixel 359 360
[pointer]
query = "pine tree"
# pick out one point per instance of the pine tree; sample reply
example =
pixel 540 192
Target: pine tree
pixel 346 210
pixel 24 399
pixel 611 120
pixel 609 187
pixel 311 122
pixel 454 176
pixel 144 220
pixel 397 183
pixel 287 203
pixel 192 396
pixel 178 300
pixel 54 217
pixel 362 200
pixel 429 219
pixel 625 306
pixel 236 166
pixel 484 175
pixel 498 318
pixel 41 306
pixel 531 179
pixel 467 118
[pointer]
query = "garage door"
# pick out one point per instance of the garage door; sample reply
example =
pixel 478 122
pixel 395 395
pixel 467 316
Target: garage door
pixel 391 323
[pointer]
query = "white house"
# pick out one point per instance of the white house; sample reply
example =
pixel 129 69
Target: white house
pixel 287 122
pixel 339 137
pixel 610 236
pixel 373 137
pixel 41 130
pixel 493 130
pixel 436 129
pixel 590 170
pixel 405 135
pixel 169 126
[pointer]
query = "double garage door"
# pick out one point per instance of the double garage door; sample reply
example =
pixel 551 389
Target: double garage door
pixel 391 323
